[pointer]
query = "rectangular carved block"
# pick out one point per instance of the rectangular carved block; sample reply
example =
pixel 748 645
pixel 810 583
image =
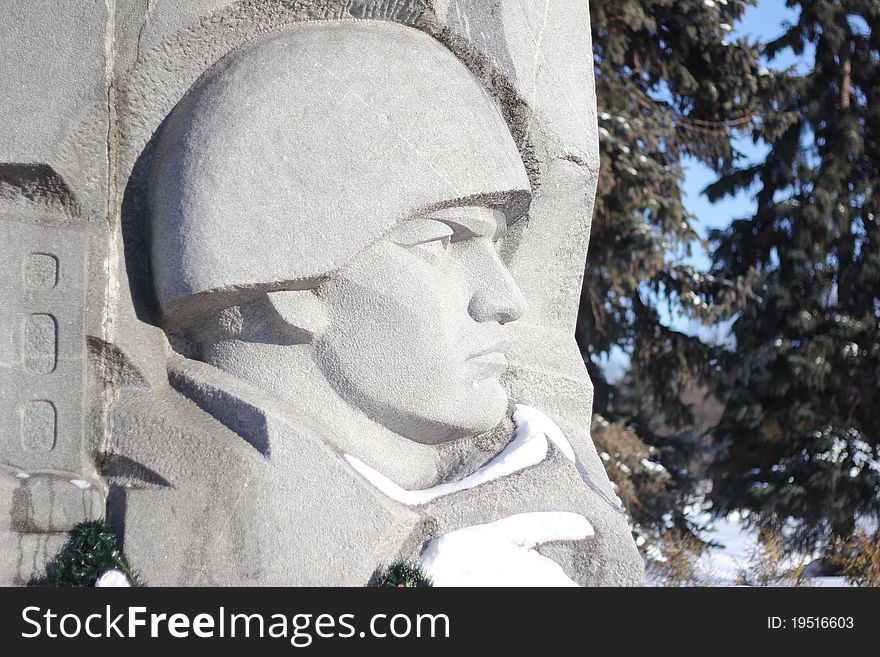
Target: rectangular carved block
pixel 38 426
pixel 41 271
pixel 42 344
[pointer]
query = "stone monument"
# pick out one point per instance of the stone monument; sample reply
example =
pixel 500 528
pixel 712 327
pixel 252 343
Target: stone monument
pixel 290 291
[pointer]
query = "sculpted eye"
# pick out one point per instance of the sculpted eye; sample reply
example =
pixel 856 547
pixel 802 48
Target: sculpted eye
pixel 434 250
pixel 426 238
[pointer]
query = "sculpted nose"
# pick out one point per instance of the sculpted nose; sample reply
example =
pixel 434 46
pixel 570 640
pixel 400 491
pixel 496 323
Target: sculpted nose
pixel 497 297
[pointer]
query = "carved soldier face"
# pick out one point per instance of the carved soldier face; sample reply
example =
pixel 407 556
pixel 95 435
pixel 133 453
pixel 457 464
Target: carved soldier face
pixel 299 179
pixel 412 331
pixel 416 333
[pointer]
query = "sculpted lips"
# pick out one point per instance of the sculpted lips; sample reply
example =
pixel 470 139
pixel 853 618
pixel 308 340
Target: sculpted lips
pixel 490 361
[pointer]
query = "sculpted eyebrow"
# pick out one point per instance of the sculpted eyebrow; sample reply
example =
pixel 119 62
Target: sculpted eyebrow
pixel 419 231
pixel 475 221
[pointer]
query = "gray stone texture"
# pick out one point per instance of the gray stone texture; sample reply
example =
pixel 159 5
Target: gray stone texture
pixel 179 327
pixel 42 328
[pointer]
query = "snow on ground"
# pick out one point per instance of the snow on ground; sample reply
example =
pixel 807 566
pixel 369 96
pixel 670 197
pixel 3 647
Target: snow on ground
pixel 721 565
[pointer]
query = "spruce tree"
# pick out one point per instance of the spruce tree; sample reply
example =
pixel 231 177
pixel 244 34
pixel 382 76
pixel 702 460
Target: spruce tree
pixel 801 429
pixel 671 82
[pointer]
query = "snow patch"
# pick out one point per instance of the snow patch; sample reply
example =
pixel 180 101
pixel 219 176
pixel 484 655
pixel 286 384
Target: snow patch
pixel 82 484
pixel 528 447
pixel 112 579
pixel 653 467
pixel 501 553
pixel 531 420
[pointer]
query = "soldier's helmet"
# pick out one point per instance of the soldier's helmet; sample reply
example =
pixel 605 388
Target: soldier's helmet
pixel 301 149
